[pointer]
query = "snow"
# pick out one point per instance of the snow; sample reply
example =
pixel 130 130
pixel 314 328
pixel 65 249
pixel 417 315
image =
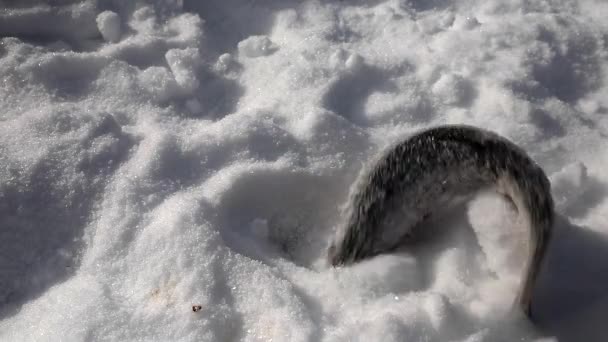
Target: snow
pixel 256 46
pixel 108 24
pixel 163 155
pixel 183 65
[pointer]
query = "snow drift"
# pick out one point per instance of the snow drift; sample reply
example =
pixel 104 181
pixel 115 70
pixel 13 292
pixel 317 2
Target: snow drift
pixel 171 170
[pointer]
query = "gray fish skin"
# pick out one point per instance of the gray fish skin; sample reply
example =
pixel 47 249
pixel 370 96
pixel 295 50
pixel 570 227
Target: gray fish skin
pixel 422 174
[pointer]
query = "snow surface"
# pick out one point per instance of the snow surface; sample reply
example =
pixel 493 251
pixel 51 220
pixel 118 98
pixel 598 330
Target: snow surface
pixel 161 156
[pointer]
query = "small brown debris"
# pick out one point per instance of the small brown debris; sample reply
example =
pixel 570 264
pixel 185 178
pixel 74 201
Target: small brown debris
pixel 196 308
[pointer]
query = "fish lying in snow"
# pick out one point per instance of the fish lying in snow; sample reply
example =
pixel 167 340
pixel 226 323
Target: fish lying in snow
pixel 425 172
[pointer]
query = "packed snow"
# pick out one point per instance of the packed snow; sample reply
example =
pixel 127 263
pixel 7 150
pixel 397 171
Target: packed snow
pixel 173 170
